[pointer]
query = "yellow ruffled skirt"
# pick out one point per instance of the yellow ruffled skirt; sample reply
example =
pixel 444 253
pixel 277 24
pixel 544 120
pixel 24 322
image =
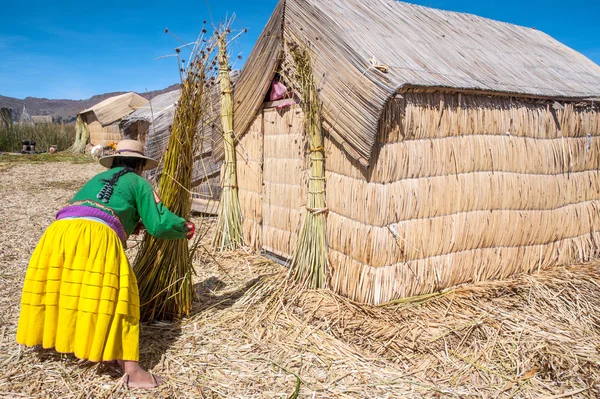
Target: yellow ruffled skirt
pixel 80 294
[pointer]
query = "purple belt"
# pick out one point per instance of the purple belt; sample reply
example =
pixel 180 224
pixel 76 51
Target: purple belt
pixel 89 211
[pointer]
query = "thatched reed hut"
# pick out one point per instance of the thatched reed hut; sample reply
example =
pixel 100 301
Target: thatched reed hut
pixel 458 148
pixel 41 119
pixel 103 119
pixel 151 124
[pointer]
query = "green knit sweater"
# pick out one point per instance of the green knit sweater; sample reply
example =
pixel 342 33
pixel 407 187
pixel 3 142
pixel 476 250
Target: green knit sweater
pixel 133 199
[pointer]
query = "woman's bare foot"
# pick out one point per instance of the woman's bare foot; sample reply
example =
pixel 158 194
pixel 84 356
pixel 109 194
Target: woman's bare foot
pixel 137 377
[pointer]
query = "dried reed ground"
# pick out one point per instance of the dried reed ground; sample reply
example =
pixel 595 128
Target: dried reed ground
pixel 252 337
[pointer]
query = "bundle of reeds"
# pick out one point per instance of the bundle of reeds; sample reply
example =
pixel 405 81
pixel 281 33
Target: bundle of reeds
pixel 164 267
pixel 310 262
pixel 82 135
pixel 5 118
pixel 228 231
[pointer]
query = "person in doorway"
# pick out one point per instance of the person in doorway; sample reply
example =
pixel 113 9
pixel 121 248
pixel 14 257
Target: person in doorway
pixel 80 294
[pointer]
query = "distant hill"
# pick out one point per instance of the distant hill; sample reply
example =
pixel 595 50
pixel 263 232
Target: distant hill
pixel 65 110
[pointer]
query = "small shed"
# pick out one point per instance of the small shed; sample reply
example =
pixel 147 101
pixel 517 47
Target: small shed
pixel 458 148
pixel 103 118
pixel 41 119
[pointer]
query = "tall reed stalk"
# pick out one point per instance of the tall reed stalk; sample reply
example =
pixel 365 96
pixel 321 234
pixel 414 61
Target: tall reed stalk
pixel 310 262
pixel 45 136
pixel 5 118
pixel 228 232
pixel 164 267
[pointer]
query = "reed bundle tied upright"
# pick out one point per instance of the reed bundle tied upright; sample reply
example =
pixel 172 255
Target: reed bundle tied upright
pixel 82 135
pixel 310 261
pixel 164 267
pixel 228 232
pixel 5 118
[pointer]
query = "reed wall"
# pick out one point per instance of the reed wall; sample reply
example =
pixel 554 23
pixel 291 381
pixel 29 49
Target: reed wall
pixel 272 179
pixel 207 188
pixel 284 179
pixel 464 188
pixel 249 169
pixel 138 130
pixel 103 135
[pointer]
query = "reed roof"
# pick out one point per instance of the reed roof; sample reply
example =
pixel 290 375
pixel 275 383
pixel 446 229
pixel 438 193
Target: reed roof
pixel 114 108
pixel 156 109
pixel 420 46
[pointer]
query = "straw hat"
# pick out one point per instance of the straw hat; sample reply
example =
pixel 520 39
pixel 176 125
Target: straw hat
pixel 129 149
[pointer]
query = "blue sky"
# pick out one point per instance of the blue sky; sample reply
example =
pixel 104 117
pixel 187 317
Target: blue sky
pixel 73 50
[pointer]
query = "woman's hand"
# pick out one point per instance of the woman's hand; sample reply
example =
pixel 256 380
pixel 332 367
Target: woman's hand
pixel 191 228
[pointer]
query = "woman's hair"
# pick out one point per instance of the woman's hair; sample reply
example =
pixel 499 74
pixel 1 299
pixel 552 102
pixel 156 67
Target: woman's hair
pixel 131 165
pixel 129 162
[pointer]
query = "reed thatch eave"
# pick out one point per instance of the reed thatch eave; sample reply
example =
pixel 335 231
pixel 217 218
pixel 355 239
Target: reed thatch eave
pixel 450 90
pixel 115 108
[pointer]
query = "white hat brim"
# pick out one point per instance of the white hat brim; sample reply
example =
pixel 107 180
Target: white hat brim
pixel 108 160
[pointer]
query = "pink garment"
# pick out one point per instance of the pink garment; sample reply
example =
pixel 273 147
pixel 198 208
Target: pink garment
pixel 278 91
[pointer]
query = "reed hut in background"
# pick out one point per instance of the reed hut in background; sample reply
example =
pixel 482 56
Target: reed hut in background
pixel 458 148
pixel 103 119
pixel 42 119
